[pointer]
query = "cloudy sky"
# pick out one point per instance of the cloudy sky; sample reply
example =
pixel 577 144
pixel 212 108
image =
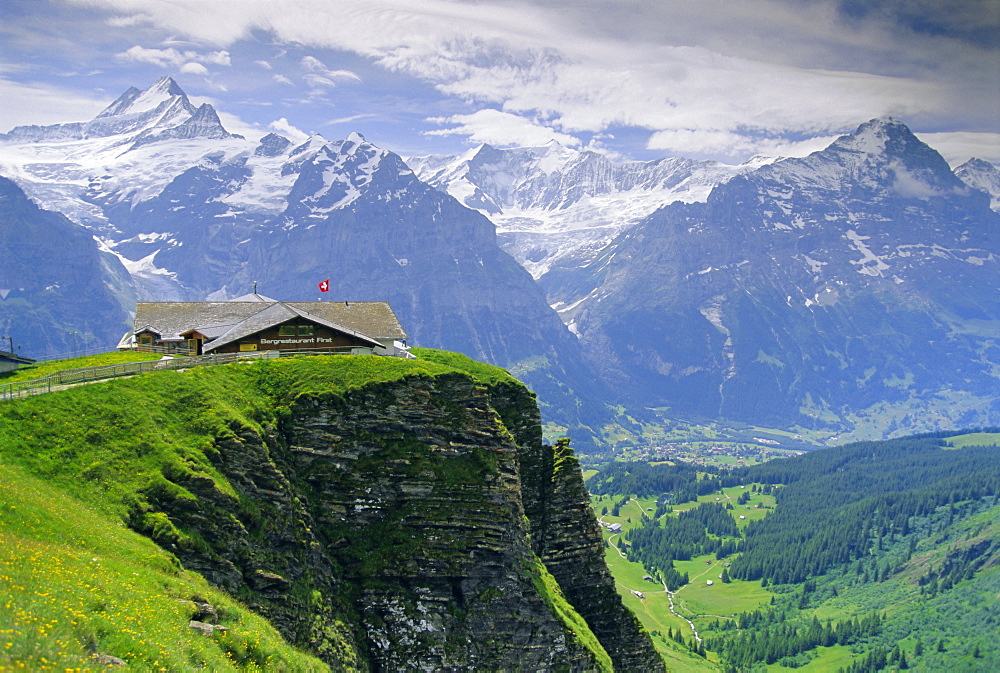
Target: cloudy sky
pixel 718 79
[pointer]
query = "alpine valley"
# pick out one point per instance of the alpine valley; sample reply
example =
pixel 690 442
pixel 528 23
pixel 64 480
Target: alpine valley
pixel 851 293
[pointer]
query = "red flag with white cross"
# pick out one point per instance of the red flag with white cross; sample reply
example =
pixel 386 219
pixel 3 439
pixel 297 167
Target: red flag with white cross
pixel 324 285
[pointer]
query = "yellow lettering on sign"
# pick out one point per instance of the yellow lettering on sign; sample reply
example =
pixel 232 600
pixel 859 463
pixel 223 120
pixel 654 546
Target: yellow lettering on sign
pixel 248 347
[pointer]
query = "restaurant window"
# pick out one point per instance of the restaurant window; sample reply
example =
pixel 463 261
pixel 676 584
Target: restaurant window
pixel 305 330
pixel 286 330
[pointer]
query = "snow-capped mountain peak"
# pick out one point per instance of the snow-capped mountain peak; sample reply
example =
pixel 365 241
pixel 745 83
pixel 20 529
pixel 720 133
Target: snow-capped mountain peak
pixel 872 136
pixel 163 111
pixel 983 176
pixel 127 154
pixel 888 140
pixel 161 94
pixel 312 144
pixel 355 138
pixel 335 174
pixel 882 156
pixel 272 145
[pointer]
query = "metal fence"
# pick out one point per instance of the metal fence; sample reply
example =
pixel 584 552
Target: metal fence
pixel 69 377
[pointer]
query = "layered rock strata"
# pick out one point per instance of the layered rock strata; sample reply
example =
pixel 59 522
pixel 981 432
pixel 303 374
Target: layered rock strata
pixel 419 524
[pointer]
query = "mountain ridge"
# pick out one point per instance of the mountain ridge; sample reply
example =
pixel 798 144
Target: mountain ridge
pixel 771 286
pixel 555 206
pixel 196 213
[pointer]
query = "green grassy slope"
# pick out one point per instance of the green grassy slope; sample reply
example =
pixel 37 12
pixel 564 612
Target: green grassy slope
pixel 932 577
pixel 74 580
pixel 48 367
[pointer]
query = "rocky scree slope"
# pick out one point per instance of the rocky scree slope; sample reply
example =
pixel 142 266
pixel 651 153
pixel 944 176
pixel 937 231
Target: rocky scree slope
pixel 388 514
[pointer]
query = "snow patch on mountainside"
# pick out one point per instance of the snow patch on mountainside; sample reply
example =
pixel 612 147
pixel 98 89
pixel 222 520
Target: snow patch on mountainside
pixel 152 282
pixel 870 263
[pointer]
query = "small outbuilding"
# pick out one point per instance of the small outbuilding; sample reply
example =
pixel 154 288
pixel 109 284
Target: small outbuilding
pixel 9 361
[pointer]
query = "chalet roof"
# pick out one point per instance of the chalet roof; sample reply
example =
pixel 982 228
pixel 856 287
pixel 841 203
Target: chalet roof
pixel 170 319
pixel 274 314
pixel 253 296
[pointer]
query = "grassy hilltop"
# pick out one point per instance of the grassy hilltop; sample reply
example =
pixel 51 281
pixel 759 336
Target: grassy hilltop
pixel 77 465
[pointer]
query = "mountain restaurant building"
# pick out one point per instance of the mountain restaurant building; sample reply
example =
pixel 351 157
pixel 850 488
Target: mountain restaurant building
pixel 254 323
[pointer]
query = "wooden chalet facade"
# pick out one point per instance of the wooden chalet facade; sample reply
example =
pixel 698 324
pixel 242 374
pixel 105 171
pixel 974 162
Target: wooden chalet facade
pixel 253 324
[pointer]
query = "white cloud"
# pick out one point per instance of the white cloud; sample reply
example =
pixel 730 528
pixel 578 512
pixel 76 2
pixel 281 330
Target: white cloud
pixel 283 127
pixel 215 57
pixel 263 64
pixel 347 120
pixel 910 186
pixel 313 63
pixel 43 104
pixel 281 79
pixel 235 124
pixel 171 57
pixel 161 57
pixel 696 73
pixel 501 128
pixel 320 76
pixel 959 147
pixel 729 144
pixel 127 21
pixel 194 69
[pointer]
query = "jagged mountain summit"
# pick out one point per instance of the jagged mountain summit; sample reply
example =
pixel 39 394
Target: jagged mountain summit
pixel 856 289
pixel 130 151
pixel 557 207
pixel 984 176
pixel 160 112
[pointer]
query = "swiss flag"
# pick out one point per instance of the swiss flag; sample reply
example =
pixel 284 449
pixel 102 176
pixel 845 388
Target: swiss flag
pixel 324 285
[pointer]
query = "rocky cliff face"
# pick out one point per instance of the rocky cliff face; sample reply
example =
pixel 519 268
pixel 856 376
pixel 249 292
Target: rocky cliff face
pixel 417 524
pixel 565 535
